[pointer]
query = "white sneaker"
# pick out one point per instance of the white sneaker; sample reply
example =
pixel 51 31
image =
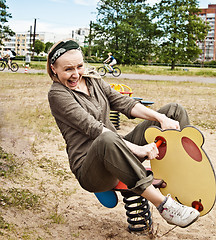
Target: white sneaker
pixel 178 214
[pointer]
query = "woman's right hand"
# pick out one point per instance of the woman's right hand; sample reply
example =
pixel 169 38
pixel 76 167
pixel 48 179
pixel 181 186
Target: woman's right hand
pixel 148 151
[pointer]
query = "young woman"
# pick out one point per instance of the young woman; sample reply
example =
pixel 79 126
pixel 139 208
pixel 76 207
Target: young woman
pixel 98 156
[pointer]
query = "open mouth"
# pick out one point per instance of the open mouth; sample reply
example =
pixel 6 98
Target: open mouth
pixel 72 83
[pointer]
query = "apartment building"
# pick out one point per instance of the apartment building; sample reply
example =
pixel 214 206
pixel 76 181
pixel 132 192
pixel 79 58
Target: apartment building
pixel 209 45
pixel 21 42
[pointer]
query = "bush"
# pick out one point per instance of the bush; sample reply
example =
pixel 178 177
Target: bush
pixel 93 59
pixel 210 63
pixel 36 58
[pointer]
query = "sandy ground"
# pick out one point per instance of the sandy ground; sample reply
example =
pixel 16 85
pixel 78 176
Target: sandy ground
pixel 84 217
pixel 66 211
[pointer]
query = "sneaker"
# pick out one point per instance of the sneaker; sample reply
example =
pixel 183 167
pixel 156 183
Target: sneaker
pixel 178 214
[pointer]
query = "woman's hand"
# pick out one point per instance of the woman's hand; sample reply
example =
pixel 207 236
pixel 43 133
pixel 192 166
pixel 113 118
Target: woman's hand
pixel 143 112
pixel 168 123
pixel 148 151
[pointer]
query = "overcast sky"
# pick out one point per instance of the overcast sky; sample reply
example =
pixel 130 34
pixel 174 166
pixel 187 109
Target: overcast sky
pixel 58 16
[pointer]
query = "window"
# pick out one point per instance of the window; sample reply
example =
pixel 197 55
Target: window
pixel 210 15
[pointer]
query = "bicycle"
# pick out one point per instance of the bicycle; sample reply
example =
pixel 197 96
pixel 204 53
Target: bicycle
pixel 105 69
pixel 4 62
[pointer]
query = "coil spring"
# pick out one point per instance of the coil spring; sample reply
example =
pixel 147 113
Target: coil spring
pixel 138 212
pixel 115 119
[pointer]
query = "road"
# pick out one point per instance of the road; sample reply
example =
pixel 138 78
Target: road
pixel 169 78
pixel 145 77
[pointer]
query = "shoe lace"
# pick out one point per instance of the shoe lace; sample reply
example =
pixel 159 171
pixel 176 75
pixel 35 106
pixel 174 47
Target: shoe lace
pixel 176 209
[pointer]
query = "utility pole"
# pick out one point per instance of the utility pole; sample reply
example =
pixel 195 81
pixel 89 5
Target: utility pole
pixel 30 49
pixel 90 39
pixel 33 48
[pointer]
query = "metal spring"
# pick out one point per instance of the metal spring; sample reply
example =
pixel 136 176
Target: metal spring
pixel 115 119
pixel 138 212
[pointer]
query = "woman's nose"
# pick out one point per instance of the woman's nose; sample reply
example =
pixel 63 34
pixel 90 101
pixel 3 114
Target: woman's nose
pixel 75 73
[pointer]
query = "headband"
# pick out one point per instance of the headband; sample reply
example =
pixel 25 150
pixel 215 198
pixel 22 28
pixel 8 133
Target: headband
pixel 61 48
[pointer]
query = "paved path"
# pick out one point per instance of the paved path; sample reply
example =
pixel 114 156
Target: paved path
pixel 169 78
pixel 145 77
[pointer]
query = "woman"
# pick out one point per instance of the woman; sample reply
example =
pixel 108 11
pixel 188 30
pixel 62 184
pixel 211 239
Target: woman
pixel 98 156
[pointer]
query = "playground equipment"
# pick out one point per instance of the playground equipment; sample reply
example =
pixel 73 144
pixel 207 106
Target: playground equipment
pixel 185 167
pixel 125 90
pixel 188 176
pixel 137 208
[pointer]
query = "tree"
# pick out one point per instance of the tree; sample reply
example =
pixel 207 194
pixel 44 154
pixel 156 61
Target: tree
pixel 39 46
pixel 181 28
pixel 48 45
pixel 124 27
pixel 5 31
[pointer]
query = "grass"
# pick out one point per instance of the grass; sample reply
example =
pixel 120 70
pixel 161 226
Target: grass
pixel 20 198
pixel 34 64
pixel 7 164
pixel 51 166
pixel 198 98
pixel 4 224
pixel 144 69
pixel 165 70
pixel 14 197
pixel 56 217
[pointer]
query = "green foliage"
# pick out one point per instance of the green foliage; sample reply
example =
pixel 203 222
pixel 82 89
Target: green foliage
pixel 5 31
pixel 48 45
pixel 39 46
pixel 211 63
pixel 181 28
pixel 124 27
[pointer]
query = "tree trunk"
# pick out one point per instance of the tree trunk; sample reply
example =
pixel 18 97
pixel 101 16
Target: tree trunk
pixel 173 65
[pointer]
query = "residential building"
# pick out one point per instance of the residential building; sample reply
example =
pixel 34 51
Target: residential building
pixel 21 42
pixel 208 46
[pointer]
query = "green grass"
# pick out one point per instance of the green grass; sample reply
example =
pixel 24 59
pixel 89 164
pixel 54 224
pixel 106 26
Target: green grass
pixel 53 167
pixel 4 224
pixel 8 164
pixel 34 64
pixel 143 69
pixel 20 198
pixel 165 70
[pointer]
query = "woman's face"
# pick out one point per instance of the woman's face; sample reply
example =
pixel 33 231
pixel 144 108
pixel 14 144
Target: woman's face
pixel 69 68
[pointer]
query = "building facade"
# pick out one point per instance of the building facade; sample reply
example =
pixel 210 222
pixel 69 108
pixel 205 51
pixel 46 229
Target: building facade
pixel 21 42
pixel 208 46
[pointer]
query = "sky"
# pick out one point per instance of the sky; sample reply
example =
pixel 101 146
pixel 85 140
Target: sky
pixel 58 16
